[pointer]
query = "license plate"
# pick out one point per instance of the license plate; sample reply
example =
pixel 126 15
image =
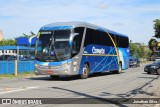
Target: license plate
pixel 49 72
pixel 146 69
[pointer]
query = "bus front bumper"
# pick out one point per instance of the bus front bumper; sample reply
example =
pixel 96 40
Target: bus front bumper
pixel 65 69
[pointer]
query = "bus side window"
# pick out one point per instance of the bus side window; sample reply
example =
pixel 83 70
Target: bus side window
pixel 89 37
pixel 97 37
pixel 115 39
pixel 76 44
pixel 123 42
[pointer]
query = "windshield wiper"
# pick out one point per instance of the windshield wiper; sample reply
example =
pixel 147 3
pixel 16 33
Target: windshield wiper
pixel 54 50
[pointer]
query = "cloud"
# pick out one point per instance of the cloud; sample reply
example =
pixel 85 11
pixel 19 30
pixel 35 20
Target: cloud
pixel 132 17
pixel 118 24
pixel 103 6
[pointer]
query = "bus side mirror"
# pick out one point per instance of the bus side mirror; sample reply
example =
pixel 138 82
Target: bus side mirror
pixel 72 37
pixel 30 39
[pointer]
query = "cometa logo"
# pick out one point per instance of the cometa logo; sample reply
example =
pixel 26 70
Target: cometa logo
pixel 98 51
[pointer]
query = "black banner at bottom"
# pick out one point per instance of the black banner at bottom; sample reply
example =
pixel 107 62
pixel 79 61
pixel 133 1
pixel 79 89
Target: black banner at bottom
pixel 79 101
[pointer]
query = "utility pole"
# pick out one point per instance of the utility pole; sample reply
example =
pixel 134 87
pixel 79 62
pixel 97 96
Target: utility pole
pixel 15 67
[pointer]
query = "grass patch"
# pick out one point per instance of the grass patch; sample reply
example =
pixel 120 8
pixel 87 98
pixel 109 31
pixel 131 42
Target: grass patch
pixel 28 72
pixel 143 62
pixel 6 75
pixel 19 75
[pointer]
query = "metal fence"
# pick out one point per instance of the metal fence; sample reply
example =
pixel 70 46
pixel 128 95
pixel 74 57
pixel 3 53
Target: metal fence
pixel 7 67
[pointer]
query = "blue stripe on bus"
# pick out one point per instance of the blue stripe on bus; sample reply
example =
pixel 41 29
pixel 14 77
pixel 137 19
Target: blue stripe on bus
pixel 108 64
pixel 56 27
pixel 102 60
pixel 100 63
pixel 124 57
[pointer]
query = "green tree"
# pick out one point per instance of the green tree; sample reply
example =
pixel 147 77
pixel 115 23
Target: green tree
pixel 139 51
pixel 143 52
pixel 27 35
pixel 10 42
pixel 152 44
pixel 133 49
pixel 157 28
pixel 148 53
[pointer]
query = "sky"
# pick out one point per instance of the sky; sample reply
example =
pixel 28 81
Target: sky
pixel 130 17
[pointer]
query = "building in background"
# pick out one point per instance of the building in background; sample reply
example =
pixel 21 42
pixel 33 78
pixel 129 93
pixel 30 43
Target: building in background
pixel 11 52
pixel 1 35
pixel 23 48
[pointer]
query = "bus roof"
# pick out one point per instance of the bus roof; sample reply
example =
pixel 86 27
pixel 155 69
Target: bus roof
pixel 73 24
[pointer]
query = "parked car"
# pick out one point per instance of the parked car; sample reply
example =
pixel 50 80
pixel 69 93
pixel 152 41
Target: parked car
pixel 26 58
pixel 30 57
pixel 7 57
pixel 11 58
pixel 153 68
pixel 134 62
pixel 157 58
pixel 22 59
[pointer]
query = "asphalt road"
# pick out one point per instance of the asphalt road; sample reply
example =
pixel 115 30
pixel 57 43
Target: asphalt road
pixel 131 83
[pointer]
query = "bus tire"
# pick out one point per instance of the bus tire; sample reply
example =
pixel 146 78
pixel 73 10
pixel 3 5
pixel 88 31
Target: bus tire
pixel 85 72
pixel 54 76
pixel 119 69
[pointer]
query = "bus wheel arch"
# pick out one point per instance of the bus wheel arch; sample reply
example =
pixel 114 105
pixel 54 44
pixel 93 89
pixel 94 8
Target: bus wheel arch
pixel 87 64
pixel 85 71
pixel 120 66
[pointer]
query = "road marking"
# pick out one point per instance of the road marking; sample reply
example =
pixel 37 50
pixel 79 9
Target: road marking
pixel 20 89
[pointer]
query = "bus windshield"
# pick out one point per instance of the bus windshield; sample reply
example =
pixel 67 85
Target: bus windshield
pixel 53 46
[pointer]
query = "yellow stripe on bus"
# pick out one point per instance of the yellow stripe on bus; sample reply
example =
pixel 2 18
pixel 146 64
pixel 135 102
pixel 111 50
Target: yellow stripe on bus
pixel 114 46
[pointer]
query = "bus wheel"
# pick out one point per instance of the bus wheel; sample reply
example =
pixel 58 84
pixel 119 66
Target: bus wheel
pixel 54 76
pixel 85 72
pixel 119 69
